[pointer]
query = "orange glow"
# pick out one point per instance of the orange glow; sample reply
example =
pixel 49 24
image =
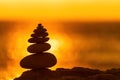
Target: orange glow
pixel 17 50
pixel 61 9
pixel 59 45
pixel 55 44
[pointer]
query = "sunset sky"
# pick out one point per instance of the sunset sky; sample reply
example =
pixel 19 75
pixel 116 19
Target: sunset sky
pixel 60 9
pixel 85 31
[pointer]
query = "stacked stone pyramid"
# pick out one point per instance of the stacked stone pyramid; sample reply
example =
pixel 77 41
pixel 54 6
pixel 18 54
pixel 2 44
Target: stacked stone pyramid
pixel 39 58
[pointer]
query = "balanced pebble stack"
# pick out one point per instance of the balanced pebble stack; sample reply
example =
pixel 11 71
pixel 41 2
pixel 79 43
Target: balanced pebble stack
pixel 39 58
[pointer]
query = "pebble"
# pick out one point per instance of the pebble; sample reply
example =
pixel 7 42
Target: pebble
pixel 35 61
pixel 40 26
pixel 36 48
pixel 38 31
pixel 38 40
pixel 40 35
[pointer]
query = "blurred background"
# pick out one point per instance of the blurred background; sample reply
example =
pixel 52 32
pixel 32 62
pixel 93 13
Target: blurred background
pixel 83 33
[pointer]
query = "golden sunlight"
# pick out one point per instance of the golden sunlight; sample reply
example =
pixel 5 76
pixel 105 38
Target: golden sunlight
pixel 55 44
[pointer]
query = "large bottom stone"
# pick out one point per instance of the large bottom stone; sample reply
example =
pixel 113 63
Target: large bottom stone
pixel 35 61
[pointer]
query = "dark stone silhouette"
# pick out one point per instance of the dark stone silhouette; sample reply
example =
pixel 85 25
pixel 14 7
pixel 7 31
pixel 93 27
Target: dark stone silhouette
pixel 38 40
pixel 114 71
pixel 76 73
pixel 102 77
pixel 38 48
pixel 39 61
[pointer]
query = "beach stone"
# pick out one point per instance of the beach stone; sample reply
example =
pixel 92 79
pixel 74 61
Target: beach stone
pixel 38 40
pixel 35 61
pixel 36 48
pixel 40 26
pixel 39 31
pixel 40 35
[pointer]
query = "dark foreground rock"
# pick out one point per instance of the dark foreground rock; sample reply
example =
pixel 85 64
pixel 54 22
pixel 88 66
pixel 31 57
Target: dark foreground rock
pixel 102 77
pixel 77 73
